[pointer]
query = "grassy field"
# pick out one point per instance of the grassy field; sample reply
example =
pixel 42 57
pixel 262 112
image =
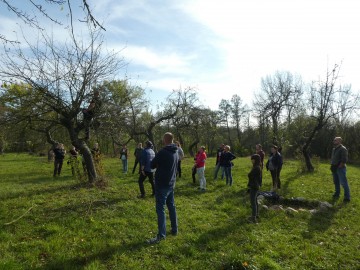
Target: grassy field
pixel 48 223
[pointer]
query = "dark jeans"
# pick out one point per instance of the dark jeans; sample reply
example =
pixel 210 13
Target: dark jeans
pixel 228 175
pixel 142 178
pixel 136 163
pixel 193 174
pixel 57 166
pixel 275 175
pixel 339 177
pixel 165 196
pixel 179 169
pixel 253 202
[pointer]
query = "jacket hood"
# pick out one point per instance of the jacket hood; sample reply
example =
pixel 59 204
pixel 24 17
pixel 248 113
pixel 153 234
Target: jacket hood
pixel 171 148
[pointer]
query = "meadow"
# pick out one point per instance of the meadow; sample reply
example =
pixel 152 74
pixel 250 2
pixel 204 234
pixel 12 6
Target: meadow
pixel 57 223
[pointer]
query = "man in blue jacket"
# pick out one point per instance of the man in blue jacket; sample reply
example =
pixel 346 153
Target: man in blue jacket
pixel 147 155
pixel 165 163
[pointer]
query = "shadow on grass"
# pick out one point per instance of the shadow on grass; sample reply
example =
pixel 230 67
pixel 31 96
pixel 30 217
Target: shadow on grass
pixel 321 221
pixel 289 180
pixel 106 254
pixel 84 208
pixel 29 194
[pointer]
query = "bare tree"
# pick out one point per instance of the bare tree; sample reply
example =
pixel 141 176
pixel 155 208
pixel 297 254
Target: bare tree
pixel 41 9
pixel 280 91
pixel 326 105
pixel 61 78
pixel 147 124
pixel 225 116
pixel 238 111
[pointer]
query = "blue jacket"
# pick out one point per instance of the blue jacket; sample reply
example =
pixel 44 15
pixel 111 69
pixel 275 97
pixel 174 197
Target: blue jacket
pixel 147 155
pixel 165 162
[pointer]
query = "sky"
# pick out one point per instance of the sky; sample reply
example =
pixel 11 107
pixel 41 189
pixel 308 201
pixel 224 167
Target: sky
pixel 222 48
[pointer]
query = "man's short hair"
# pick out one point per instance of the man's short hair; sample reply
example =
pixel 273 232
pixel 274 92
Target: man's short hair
pixel 168 137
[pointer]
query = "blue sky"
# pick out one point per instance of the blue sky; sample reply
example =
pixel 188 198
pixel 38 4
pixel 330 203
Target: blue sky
pixel 222 48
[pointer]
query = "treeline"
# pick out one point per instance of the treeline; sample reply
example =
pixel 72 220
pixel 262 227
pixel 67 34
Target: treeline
pixel 125 117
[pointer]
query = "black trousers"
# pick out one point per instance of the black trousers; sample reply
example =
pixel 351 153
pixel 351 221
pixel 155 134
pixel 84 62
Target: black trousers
pixel 193 174
pixel 142 178
pixel 136 163
pixel 179 169
pixel 57 166
pixel 253 201
pixel 275 175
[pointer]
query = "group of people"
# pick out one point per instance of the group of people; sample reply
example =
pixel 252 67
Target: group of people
pixel 162 170
pixel 59 153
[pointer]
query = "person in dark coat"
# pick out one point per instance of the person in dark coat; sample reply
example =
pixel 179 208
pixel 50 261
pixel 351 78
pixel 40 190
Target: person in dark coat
pixel 226 163
pixel 253 186
pixel 137 154
pixel 274 164
pixel 59 152
pixel 165 163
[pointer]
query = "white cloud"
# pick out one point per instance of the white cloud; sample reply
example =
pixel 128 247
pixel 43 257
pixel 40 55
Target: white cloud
pixel 161 62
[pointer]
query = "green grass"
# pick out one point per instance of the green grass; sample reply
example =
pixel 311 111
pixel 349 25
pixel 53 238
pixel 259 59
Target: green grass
pixel 56 224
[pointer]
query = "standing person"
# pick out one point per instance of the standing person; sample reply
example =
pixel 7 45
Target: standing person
pixel 137 154
pixel 59 152
pixel 96 154
pixel 147 155
pixel 339 158
pixel 124 158
pixel 217 164
pixel 193 170
pixel 181 157
pixel 261 153
pixel 226 163
pixel 274 164
pixel 95 151
pixel 200 167
pixel 253 186
pixel 165 162
pixel 74 163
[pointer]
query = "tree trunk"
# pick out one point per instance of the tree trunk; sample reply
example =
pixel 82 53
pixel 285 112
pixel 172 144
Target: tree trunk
pixel 238 134
pixel 89 162
pixel 191 146
pixel 86 153
pixel 309 166
pixel 228 132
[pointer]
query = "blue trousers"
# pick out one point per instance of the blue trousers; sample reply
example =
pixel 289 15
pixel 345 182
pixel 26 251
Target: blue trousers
pixel 340 179
pixel 165 196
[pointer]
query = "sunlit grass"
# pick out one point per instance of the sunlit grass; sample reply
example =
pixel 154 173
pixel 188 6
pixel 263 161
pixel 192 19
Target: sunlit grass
pixel 54 223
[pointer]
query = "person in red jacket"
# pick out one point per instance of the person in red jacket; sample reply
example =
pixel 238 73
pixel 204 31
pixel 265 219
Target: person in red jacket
pixel 200 167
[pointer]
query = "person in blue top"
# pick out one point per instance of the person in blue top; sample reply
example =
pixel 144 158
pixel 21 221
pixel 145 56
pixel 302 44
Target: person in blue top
pixel 147 155
pixel 226 163
pixel 165 163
